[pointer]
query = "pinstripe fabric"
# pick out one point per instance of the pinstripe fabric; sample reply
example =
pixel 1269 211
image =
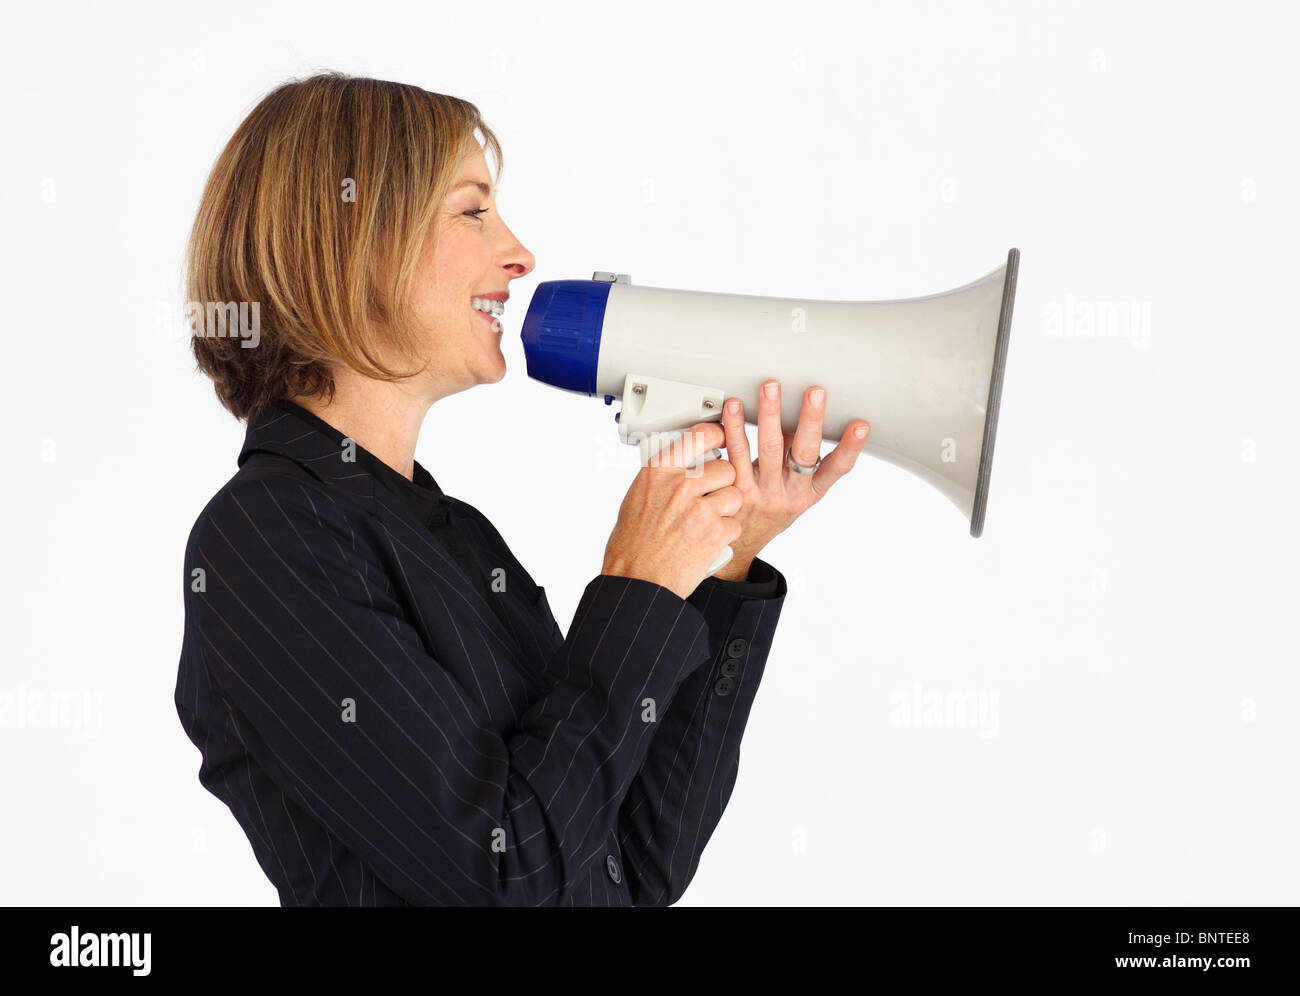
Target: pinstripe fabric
pixel 382 697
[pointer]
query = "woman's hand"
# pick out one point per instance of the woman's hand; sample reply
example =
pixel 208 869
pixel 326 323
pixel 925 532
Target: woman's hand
pixel 673 522
pixel 773 494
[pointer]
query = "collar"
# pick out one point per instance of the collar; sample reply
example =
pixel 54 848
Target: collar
pixel 291 431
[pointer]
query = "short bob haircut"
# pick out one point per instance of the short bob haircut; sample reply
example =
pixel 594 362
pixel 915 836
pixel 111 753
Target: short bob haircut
pixel 317 210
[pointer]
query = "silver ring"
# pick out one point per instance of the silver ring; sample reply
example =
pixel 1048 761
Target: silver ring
pixel 799 468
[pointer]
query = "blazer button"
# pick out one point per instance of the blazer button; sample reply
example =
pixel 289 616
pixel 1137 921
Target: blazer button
pixel 723 686
pixel 730 667
pixel 611 866
pixel 737 648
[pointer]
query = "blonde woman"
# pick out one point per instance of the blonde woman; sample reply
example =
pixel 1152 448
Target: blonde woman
pixel 390 723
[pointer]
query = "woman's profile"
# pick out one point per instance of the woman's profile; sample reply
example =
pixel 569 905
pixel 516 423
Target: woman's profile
pixel 377 687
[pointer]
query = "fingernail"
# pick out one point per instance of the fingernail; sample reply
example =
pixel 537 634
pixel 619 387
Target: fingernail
pixel 860 431
pixel 770 389
pixel 733 406
pixel 817 397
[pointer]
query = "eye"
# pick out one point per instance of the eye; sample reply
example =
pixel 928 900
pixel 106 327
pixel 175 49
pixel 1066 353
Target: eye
pixel 475 213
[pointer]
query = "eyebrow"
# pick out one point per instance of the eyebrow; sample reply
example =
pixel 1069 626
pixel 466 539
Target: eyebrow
pixel 487 191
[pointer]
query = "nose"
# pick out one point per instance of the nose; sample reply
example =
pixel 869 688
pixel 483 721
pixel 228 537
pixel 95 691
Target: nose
pixel 516 257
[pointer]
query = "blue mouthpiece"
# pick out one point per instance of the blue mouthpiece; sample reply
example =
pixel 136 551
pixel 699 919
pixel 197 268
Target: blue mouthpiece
pixel 562 333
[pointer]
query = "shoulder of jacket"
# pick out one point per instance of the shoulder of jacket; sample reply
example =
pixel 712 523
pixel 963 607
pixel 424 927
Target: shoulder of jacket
pixel 265 491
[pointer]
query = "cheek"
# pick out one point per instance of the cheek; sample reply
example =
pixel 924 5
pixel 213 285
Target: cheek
pixel 460 271
pixel 448 277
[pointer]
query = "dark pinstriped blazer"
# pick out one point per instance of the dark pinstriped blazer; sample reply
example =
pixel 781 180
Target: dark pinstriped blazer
pixel 381 694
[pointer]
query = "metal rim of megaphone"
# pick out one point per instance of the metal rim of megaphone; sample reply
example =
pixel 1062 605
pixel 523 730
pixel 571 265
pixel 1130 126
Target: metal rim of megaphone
pixel 995 394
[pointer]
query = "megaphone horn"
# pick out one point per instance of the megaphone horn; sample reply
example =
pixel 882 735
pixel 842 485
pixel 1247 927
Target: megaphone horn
pixel 925 372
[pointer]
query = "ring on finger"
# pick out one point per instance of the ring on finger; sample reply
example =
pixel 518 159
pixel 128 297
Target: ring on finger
pixel 797 467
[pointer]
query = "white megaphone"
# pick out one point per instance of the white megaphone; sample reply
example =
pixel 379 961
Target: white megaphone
pixel 925 372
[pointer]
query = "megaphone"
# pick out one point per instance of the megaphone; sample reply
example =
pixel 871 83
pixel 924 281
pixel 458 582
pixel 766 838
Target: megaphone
pixel 925 372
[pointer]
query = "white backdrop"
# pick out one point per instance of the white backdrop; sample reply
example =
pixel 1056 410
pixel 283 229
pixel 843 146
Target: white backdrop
pixel 1126 626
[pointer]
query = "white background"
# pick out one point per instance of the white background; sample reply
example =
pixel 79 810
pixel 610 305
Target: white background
pixel 1127 621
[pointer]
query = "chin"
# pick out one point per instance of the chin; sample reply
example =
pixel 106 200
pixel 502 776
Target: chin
pixel 497 373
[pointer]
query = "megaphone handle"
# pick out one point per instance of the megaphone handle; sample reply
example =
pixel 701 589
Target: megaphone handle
pixel 727 553
pixel 664 439
pixel 723 559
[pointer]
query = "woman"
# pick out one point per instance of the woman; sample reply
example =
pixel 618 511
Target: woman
pixel 379 690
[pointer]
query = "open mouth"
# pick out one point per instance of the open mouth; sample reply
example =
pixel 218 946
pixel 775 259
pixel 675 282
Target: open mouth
pixel 489 310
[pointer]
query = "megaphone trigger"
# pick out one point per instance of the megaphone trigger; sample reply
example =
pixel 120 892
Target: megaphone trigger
pixel 712 454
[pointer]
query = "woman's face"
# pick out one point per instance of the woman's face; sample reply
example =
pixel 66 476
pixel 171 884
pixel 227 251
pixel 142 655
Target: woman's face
pixel 476 255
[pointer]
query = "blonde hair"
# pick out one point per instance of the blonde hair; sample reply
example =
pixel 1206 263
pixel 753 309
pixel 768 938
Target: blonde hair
pixel 329 272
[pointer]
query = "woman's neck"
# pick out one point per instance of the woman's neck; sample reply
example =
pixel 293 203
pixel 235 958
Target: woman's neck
pixel 382 418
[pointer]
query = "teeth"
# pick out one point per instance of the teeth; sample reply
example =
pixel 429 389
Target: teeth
pixel 488 306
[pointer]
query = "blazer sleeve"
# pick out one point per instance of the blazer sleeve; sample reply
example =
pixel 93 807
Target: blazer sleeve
pixel 354 720
pixel 677 797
